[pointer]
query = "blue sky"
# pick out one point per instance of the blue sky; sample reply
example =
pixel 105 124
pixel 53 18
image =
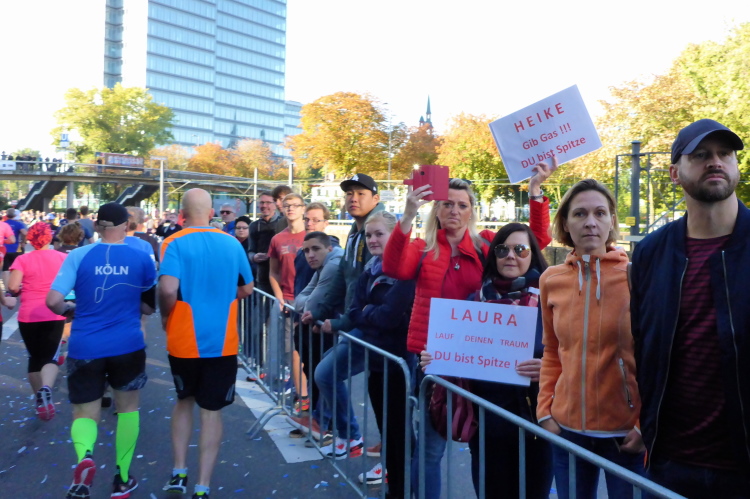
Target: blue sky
pixel 474 56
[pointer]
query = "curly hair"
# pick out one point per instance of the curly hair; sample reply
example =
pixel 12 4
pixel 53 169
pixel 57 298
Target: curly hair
pixel 71 234
pixel 39 235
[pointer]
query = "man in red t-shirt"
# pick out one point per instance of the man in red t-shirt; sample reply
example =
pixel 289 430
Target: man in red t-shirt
pixel 281 254
pixel 284 247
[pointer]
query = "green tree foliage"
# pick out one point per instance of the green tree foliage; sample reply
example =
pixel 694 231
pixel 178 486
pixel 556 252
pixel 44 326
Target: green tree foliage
pixel 342 133
pixel 708 80
pixel 120 120
pixel 26 151
pixel 469 150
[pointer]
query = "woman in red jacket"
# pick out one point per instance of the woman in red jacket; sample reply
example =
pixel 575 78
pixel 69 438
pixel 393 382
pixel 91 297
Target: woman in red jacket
pixel 447 263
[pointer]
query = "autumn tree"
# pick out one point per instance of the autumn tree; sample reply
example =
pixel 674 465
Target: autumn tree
pixel 469 150
pixel 177 156
pixel 211 158
pixel 249 154
pixel 420 148
pixel 118 120
pixel 342 133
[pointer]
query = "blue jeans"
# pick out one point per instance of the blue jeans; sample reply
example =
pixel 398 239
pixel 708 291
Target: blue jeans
pixel 587 475
pixel 434 450
pixel 698 482
pixel 337 358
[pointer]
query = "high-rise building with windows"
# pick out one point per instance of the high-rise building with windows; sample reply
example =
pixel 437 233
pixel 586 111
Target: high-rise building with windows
pixel 219 64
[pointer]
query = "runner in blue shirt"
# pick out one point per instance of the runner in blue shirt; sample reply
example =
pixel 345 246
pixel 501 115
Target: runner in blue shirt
pixel 114 284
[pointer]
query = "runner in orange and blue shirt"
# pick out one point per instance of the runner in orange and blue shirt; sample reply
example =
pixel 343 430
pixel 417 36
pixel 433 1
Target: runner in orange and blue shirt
pixel 199 300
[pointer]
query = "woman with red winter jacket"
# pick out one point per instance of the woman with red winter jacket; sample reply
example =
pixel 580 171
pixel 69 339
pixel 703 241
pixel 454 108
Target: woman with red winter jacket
pixel 447 263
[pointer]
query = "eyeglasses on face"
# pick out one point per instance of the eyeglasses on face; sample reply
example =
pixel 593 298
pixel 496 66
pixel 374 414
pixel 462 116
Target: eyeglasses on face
pixel 225 212
pixel 294 206
pixel 313 220
pixel 241 227
pixel 521 250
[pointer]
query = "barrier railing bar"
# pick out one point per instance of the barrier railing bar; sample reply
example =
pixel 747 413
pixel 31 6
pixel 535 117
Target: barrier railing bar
pixel 636 480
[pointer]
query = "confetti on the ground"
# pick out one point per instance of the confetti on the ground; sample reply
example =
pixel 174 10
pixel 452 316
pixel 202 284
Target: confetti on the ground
pixel 44 479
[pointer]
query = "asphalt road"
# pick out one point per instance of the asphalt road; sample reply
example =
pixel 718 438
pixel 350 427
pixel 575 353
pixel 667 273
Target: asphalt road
pixel 36 457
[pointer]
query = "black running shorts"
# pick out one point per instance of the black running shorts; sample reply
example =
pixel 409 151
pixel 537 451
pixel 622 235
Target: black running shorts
pixel 87 378
pixel 210 380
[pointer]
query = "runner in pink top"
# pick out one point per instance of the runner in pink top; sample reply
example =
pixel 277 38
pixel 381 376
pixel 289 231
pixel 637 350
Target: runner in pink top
pixel 40 328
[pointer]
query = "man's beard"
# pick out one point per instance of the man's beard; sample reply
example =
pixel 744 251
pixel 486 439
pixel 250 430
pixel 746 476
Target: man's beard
pixel 699 191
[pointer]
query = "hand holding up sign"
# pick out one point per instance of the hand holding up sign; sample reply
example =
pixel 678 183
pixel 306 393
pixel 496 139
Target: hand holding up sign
pixel 414 201
pixel 542 172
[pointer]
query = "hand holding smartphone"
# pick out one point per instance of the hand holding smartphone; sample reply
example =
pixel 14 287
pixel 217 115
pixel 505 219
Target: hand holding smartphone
pixel 437 176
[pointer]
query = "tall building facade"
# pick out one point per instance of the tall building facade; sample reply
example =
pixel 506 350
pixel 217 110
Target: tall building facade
pixel 219 64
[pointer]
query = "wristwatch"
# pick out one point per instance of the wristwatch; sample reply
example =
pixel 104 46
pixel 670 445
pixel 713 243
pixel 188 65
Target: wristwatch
pixel 539 197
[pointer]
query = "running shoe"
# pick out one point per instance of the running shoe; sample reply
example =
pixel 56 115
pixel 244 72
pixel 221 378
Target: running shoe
pixel 122 489
pixel 297 433
pixel 372 477
pixel 200 495
pixel 304 424
pixel 178 483
pixel 302 404
pixel 374 451
pixel 45 409
pixel 83 479
pixel 341 449
pixel 326 440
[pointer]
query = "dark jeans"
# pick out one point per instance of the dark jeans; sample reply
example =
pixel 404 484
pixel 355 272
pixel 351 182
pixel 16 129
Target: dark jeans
pixel 697 482
pixel 587 475
pixel 501 466
pixel 395 419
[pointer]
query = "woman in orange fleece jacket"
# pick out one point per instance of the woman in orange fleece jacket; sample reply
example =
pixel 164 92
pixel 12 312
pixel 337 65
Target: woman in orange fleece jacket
pixel 587 390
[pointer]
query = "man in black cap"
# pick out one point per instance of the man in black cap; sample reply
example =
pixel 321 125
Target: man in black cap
pixel 691 325
pixel 361 199
pixel 114 283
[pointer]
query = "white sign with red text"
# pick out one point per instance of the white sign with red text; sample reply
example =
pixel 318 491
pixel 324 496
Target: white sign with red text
pixel 480 340
pixel 559 125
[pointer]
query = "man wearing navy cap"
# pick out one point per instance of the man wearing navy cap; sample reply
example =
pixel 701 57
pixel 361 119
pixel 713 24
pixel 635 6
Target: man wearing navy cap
pixel 691 324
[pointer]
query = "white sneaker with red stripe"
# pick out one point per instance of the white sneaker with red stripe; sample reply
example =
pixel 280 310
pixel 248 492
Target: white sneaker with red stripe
pixel 374 476
pixel 341 449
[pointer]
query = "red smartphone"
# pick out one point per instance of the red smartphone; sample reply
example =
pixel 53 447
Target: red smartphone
pixel 436 176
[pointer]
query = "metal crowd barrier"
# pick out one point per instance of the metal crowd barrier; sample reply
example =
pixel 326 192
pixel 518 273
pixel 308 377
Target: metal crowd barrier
pixel 639 483
pixel 262 354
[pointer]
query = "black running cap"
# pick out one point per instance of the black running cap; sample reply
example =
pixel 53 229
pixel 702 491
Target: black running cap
pixel 112 215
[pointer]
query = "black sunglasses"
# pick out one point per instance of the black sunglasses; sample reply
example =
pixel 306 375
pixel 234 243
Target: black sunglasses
pixel 521 250
pixel 224 212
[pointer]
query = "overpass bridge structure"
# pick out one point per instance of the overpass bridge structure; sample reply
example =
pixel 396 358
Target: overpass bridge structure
pixel 51 178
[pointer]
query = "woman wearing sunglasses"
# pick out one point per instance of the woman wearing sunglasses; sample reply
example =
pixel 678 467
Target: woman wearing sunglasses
pixel 447 263
pixel 511 276
pixel 588 392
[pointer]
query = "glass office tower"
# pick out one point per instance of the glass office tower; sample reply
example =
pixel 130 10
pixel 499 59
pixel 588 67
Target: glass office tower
pixel 219 64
